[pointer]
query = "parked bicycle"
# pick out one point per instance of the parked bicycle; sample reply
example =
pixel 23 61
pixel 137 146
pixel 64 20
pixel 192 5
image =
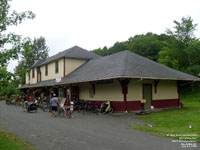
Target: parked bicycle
pixel 91 106
pixel 106 107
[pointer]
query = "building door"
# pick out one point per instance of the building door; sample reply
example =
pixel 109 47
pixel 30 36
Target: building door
pixel 147 94
pixel 75 92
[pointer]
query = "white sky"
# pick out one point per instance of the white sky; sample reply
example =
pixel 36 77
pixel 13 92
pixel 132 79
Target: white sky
pixel 91 24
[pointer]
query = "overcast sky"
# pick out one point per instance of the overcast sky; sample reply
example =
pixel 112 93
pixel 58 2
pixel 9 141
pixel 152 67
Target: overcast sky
pixel 91 24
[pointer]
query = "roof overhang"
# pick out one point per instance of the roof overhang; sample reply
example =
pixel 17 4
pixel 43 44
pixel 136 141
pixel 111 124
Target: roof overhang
pixel 54 83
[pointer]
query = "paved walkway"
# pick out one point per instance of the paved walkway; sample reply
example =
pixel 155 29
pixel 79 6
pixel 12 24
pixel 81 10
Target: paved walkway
pixel 88 132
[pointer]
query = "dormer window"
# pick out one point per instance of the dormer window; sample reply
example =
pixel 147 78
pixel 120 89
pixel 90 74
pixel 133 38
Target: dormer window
pixel 46 70
pixel 33 73
pixel 56 67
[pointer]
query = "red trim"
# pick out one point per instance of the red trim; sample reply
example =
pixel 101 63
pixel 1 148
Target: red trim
pixel 178 90
pixel 125 96
pixel 165 103
pixel 64 68
pixel 37 77
pixel 121 105
pixel 124 85
pixel 116 105
pixel 135 105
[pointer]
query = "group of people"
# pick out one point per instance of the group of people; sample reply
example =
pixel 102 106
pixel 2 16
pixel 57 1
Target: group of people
pixel 51 102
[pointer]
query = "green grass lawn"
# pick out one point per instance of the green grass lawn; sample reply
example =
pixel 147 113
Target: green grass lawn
pixel 9 141
pixel 175 121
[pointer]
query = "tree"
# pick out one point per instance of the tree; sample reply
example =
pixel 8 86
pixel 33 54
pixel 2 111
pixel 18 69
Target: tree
pixel 14 41
pixel 101 52
pixel 10 38
pixel 184 33
pixel 117 47
pixel 182 47
pixel 147 45
pixel 32 52
pixel 184 30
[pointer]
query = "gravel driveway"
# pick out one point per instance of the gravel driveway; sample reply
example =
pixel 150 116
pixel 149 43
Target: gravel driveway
pixel 88 132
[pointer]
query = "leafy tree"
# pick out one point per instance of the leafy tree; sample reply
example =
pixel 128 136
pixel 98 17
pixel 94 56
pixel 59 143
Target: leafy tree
pixel 32 52
pixel 117 47
pixel 10 38
pixel 6 54
pixel 184 33
pixel 147 45
pixel 182 50
pixel 101 52
pixel 184 30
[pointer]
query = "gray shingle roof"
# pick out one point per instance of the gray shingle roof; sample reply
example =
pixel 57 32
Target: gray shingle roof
pixel 125 64
pixel 40 84
pixel 73 52
pixel 119 65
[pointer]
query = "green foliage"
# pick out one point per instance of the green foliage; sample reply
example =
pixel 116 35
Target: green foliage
pixel 20 72
pixel 5 78
pixel 147 45
pixel 118 47
pixel 171 54
pixel 101 52
pixel 183 30
pixel 34 51
pixel 10 38
pixel 183 51
pixel 164 58
pixel 15 43
pixel 178 49
pixel 31 53
pixel 190 93
pixel 7 84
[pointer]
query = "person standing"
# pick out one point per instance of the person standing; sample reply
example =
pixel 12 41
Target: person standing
pixel 54 104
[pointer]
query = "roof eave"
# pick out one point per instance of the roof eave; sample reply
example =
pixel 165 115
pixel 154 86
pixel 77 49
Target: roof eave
pixel 114 77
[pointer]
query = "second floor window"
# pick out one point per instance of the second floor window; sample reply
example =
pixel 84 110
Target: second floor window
pixel 46 70
pixel 56 67
pixel 33 73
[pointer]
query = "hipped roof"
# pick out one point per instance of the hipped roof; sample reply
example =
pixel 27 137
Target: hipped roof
pixel 73 52
pixel 124 64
